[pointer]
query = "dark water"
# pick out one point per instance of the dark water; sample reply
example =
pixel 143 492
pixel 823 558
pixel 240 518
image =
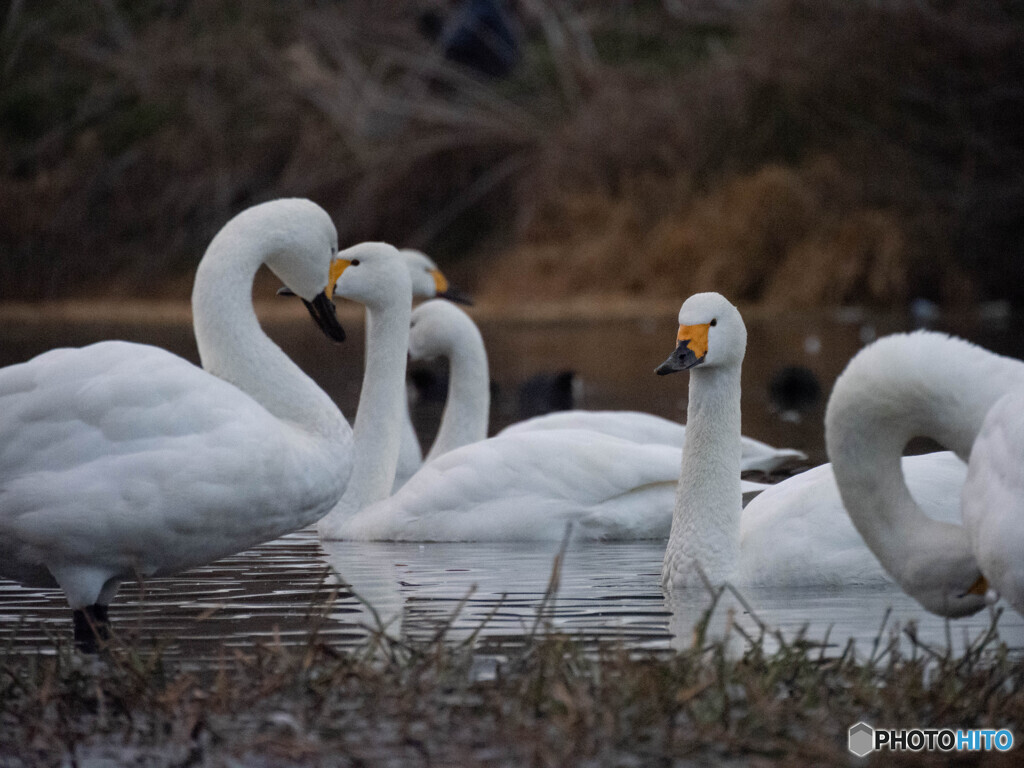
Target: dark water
pixel 285 590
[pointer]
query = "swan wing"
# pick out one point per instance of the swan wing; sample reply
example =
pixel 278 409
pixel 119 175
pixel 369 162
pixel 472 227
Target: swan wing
pixel 530 486
pixel 131 459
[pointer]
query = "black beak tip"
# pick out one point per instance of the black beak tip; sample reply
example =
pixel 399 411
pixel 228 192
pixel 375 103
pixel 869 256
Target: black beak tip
pixel 666 368
pixel 322 310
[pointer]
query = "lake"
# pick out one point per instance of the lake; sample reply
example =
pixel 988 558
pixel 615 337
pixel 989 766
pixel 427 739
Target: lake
pixel 495 594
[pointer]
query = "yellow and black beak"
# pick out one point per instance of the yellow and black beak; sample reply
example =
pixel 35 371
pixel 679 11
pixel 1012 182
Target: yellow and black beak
pixel 446 291
pixel 691 349
pixel 321 308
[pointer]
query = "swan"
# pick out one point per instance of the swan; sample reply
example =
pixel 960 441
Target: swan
pixel 910 385
pixel 376 275
pixel 795 532
pixel 993 498
pixel 428 282
pixel 122 460
pixel 440 329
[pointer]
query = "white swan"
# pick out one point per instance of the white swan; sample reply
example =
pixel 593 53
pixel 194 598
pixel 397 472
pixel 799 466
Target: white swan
pixel 376 275
pixel 122 460
pixel 905 386
pixel 795 533
pixel 440 329
pixel 993 498
pixel 427 282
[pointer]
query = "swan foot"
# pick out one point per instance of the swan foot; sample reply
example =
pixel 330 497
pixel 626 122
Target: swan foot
pixel 92 628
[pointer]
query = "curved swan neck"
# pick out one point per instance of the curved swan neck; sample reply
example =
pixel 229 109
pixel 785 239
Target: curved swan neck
pixel 233 346
pixel 709 501
pixel 905 386
pixel 378 425
pixel 468 406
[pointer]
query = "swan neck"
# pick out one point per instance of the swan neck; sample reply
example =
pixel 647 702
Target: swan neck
pixel 379 419
pixel 900 388
pixel 467 409
pixel 233 346
pixel 706 519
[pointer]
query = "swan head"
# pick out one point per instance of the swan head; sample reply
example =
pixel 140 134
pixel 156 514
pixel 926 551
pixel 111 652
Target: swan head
pixel 428 281
pixel 374 274
pixel 711 334
pixel 947 584
pixel 301 245
pixel 435 329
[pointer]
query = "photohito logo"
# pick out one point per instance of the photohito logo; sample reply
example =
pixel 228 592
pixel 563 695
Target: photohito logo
pixel 863 739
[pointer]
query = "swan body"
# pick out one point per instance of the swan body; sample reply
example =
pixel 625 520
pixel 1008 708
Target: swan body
pixel 648 428
pixel 120 460
pixel 993 499
pixel 898 388
pixel 795 533
pixel 529 487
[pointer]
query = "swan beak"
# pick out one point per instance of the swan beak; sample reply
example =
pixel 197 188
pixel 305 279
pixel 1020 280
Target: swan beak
pixel 979 587
pixel 322 311
pixel 337 267
pixel 691 349
pixel 445 291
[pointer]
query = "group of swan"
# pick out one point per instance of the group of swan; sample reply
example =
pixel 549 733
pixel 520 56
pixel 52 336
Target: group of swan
pixel 122 460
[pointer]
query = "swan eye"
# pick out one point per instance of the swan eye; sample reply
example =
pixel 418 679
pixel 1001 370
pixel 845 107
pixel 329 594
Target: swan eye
pixel 714 322
pixel 355 262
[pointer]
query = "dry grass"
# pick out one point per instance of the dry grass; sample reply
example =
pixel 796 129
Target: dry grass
pixel 749 147
pixel 548 702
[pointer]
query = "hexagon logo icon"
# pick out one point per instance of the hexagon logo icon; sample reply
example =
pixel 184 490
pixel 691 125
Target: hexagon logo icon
pixel 862 739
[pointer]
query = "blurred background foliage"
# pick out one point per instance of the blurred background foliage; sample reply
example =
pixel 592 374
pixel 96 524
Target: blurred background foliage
pixel 794 152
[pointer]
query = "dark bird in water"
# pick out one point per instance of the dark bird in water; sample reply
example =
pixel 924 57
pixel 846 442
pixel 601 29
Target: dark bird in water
pixel 793 390
pixel 547 392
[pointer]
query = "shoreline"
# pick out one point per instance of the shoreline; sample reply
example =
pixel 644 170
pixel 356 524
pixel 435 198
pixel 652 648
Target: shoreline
pixel 583 309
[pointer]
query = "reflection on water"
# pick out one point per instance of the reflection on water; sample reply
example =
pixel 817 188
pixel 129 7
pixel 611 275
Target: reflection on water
pixel 495 593
pixel 280 591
